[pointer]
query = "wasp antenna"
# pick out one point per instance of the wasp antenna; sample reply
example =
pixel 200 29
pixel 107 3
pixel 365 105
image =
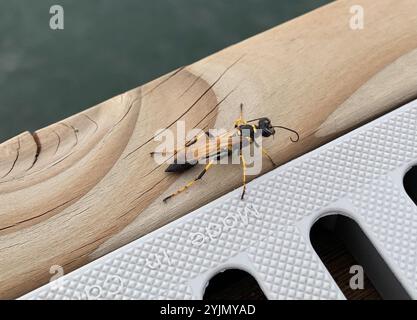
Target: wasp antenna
pixel 257 119
pixel 291 130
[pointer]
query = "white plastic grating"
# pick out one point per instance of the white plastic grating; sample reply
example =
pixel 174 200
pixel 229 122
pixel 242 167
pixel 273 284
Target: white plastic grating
pixel 359 174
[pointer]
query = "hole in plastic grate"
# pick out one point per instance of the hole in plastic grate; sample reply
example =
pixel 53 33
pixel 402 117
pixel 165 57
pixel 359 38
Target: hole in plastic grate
pixel 341 244
pixel 233 284
pixel 410 183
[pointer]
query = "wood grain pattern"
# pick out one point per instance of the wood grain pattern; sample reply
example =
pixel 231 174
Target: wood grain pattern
pixel 82 187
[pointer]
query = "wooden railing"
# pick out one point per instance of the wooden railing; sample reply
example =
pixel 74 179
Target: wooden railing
pixel 82 187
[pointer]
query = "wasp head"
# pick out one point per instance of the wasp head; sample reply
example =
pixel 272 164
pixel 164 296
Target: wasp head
pixel 266 127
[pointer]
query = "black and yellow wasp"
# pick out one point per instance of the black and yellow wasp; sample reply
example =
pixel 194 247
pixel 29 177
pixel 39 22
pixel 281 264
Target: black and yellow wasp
pixel 214 148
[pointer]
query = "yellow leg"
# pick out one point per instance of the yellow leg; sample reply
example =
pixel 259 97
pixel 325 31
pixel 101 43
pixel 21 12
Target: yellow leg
pixel 242 159
pixel 240 121
pixel 165 152
pixel 189 184
pixel 187 144
pixel 195 139
pixel 269 157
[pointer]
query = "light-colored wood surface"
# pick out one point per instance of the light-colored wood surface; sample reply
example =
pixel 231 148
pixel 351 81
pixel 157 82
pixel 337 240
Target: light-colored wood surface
pixel 85 186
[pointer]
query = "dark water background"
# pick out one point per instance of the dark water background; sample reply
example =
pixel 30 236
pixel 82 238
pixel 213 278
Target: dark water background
pixel 110 46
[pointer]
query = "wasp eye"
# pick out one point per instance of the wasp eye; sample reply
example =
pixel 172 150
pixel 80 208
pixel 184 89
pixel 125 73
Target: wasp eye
pixel 264 123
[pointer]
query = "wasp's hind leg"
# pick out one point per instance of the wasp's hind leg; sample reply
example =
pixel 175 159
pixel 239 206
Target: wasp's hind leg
pixel 186 145
pixel 175 151
pixel 189 184
pixel 242 159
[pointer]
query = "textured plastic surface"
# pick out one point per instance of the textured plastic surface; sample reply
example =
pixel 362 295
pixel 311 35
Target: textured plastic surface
pixel 359 174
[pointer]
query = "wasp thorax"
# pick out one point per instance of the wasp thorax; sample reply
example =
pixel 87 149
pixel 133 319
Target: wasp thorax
pixel 248 131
